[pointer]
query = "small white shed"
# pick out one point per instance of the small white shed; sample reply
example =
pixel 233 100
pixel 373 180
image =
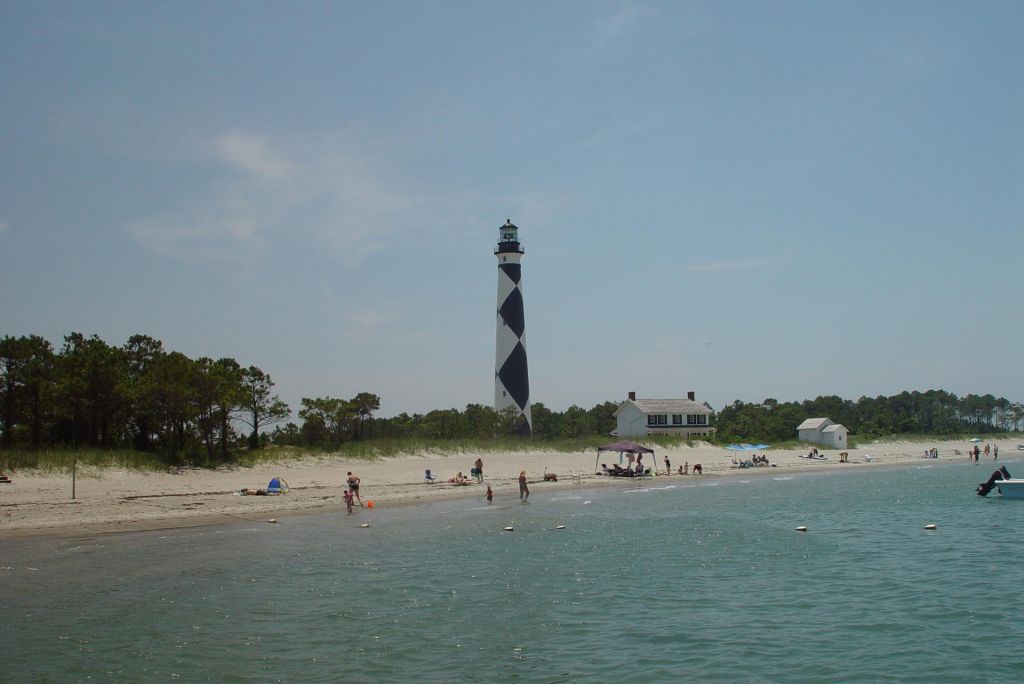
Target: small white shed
pixel 824 432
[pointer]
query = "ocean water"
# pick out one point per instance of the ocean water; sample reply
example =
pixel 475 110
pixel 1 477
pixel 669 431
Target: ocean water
pixel 682 579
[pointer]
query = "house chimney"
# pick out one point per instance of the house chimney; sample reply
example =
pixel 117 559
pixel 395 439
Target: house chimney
pixel 632 396
pixel 690 396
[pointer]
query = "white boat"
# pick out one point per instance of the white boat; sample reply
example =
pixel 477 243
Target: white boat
pixel 1014 489
pixel 1011 489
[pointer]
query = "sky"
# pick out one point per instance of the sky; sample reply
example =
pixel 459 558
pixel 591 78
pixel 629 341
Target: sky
pixel 743 199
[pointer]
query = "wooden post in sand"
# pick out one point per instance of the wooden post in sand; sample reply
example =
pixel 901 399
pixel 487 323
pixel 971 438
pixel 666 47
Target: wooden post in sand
pixel 74 468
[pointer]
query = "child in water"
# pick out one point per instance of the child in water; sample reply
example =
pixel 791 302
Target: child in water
pixel 348 500
pixel 490 494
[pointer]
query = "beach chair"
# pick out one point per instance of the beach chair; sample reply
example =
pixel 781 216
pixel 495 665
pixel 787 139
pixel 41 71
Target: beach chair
pixel 428 477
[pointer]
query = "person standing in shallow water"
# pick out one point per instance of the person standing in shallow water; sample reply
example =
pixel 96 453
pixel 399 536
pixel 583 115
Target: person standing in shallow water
pixel 353 485
pixel 490 494
pixel 524 491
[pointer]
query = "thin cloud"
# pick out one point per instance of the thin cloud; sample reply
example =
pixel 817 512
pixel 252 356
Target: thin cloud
pixel 342 191
pixel 252 153
pixel 219 238
pixel 732 265
pixel 610 135
pixel 318 186
pixel 613 27
pixel 364 322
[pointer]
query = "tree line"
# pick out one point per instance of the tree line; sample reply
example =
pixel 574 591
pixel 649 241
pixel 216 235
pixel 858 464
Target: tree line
pixel 143 397
pixel 935 412
pixel 138 396
pixel 328 422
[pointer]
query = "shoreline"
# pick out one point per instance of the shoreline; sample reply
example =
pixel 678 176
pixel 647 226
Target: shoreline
pixel 112 501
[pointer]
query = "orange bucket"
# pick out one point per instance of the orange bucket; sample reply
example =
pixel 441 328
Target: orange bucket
pixel 369 504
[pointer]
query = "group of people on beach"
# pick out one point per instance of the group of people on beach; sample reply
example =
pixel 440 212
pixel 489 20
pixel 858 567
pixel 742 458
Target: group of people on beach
pixel 992 449
pixel 638 470
pixel 476 472
pixel 756 461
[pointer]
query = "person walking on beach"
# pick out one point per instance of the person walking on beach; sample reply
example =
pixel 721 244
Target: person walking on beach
pixel 348 500
pixel 668 466
pixel 995 453
pixel 490 495
pixel 524 491
pixel 353 485
pixel 479 469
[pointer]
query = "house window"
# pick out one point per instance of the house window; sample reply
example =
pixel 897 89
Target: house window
pixel 652 420
pixel 677 419
pixel 691 420
pixel 702 420
pixel 662 419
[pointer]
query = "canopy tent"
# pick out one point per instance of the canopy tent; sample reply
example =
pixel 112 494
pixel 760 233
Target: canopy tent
pixel 748 447
pixel 625 448
pixel 622 448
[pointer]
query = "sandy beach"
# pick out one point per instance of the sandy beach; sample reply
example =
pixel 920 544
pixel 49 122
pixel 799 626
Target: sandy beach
pixel 114 500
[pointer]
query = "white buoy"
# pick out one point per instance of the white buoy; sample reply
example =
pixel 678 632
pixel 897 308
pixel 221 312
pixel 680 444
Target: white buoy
pixel 507 529
pixel 931 526
pixel 559 527
pixel 365 525
pixel 802 528
pixel 272 520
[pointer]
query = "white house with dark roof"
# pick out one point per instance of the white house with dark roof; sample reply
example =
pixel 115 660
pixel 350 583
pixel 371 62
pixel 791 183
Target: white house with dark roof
pixel 685 417
pixel 822 431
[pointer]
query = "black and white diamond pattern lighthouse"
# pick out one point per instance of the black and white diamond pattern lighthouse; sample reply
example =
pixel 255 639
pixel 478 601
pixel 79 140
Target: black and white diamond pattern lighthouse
pixel 511 377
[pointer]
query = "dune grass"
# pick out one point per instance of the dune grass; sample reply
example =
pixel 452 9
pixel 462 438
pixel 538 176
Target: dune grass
pixel 62 460
pixel 48 461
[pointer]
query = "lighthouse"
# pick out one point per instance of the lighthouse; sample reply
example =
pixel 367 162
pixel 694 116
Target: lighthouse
pixel 511 377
